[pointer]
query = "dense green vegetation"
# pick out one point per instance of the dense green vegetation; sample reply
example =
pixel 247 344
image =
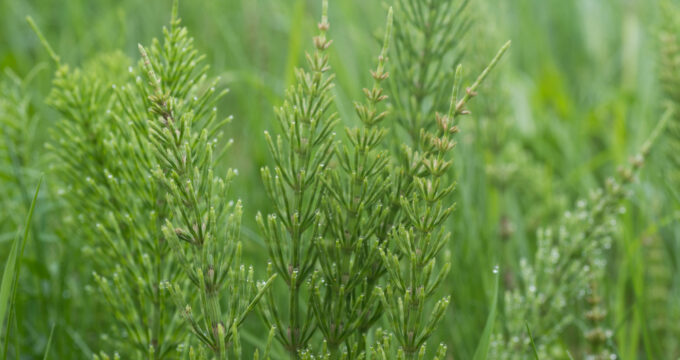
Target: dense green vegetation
pixel 305 179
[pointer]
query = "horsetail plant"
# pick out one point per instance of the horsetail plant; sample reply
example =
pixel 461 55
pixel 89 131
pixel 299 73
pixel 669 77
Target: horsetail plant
pixel 417 243
pixel 114 204
pixel 359 226
pixel 568 260
pixel 17 124
pixel 427 46
pixel 202 227
pixel 344 300
pixel 301 153
pixel 166 129
pixel 596 334
pixel 669 69
pixel 658 281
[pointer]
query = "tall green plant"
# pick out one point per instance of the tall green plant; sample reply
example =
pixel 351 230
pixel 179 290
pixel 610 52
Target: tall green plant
pixel 139 164
pixel 301 153
pixel 111 205
pixel 427 46
pixel 570 257
pixel 669 73
pixel 10 277
pixel 417 243
pixel 202 226
pixel 343 299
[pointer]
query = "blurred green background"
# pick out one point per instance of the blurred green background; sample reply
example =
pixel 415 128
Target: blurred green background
pixel 576 95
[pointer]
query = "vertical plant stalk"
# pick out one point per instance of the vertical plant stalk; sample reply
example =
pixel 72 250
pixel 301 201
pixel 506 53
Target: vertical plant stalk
pixel 10 275
pixel 669 76
pixel 301 153
pixel 114 204
pixel 658 286
pixel 416 244
pixel 427 41
pixel 596 335
pixel 566 262
pixel 343 300
pixel 202 229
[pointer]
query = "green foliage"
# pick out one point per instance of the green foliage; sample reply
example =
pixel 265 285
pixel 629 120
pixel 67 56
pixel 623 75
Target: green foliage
pixel 182 99
pixel 427 43
pixel 658 277
pixel 344 300
pixel 18 124
pixel 360 249
pixel 407 235
pixel 669 70
pixel 113 203
pixel 482 350
pixel 10 275
pixel 660 269
pixel 564 265
pixel 301 153
pixel 167 127
pixel 570 258
pixel 411 264
pixel 596 335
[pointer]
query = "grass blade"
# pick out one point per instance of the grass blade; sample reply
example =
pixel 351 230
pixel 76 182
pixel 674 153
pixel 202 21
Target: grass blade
pixel 10 275
pixel 483 347
pixel 49 342
pixel 533 346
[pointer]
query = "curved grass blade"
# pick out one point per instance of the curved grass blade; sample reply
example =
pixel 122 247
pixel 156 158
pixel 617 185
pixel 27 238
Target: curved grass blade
pixel 483 347
pixel 10 275
pixel 533 345
pixel 49 342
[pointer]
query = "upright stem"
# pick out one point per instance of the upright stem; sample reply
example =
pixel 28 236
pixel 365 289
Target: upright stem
pixel 419 93
pixel 334 349
pixel 294 313
pixel 157 315
pixel 213 310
